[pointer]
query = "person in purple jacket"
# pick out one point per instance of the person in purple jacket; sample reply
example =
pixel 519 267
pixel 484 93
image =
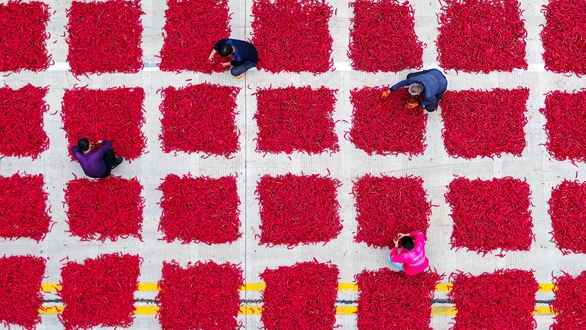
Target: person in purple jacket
pixel 244 55
pixel 96 163
pixel 431 83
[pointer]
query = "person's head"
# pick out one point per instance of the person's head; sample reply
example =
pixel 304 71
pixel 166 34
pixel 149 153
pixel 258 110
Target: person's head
pixel 83 144
pixel 415 88
pixel 225 50
pixel 407 243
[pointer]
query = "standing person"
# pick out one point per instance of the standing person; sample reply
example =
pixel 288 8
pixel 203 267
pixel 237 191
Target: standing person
pixel 244 55
pixel 96 163
pixel 410 255
pixel 432 83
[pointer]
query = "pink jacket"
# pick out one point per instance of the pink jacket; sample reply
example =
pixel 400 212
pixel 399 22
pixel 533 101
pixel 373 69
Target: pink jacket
pixel 414 261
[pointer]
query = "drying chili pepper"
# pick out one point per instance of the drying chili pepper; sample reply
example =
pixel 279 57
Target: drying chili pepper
pixel 568 305
pixel 567 209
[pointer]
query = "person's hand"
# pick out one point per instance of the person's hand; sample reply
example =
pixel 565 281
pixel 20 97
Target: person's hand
pixel 225 64
pixel 396 243
pixel 211 58
pixel 401 235
pixel 100 141
pixel 385 94
pixel 411 104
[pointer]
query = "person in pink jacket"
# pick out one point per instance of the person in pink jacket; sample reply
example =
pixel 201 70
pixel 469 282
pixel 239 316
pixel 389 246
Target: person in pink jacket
pixel 410 256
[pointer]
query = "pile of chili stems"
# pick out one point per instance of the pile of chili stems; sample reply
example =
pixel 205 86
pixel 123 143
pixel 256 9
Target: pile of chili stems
pixel 105 286
pixel 200 296
pixel 115 114
pixel 393 300
pixel 481 36
pixel 386 126
pixel 484 123
pixel 296 119
pixel 563 36
pixel 566 138
pixel 568 305
pixel 23 207
pixel 21 115
pixel 504 299
pixel 20 289
pixel 387 206
pixel 200 118
pixel 302 296
pixel 104 37
pixel 382 37
pixel 115 210
pixel 567 209
pixel 490 215
pixel 200 209
pixel 298 209
pixel 292 35
pixel 23 26
pixel 192 28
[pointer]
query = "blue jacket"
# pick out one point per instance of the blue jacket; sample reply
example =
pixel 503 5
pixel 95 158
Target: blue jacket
pixel 245 51
pixel 434 82
pixel 93 163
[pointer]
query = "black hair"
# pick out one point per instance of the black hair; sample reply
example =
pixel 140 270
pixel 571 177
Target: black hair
pixel 83 144
pixel 407 243
pixel 225 50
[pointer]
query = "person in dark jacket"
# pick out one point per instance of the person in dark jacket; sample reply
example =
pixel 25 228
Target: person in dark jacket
pixel 431 83
pixel 96 163
pixel 244 55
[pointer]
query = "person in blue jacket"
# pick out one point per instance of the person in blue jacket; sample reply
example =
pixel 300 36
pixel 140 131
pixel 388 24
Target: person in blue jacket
pixel 244 55
pixel 431 83
pixel 96 163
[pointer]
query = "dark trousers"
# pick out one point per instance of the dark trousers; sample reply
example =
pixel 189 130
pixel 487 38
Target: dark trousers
pixel 110 159
pixel 433 106
pixel 240 69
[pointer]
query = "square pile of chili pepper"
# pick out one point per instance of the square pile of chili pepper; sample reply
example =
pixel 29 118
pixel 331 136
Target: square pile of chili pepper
pixel 563 36
pixel 23 210
pixel 296 119
pixel 115 114
pixel 292 35
pixel 504 299
pixel 105 208
pixel 490 215
pixel 200 118
pixel 23 27
pixel 201 209
pixel 302 296
pixel 99 292
pixel 386 126
pixel 298 209
pixel 383 37
pixel 21 115
pixel 568 305
pixel 104 36
pixel 387 206
pixel 484 123
pixel 393 300
pixel 20 289
pixel 565 129
pixel 481 36
pixel 200 296
pixel 192 28
pixel 567 209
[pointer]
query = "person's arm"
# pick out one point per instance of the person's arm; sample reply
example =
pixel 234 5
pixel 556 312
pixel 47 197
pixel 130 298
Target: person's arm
pixel 75 151
pixel 400 84
pixel 105 146
pixel 216 48
pixel 414 233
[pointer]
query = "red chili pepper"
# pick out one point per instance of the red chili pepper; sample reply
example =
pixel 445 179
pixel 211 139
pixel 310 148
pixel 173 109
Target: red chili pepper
pixel 569 294
pixel 567 209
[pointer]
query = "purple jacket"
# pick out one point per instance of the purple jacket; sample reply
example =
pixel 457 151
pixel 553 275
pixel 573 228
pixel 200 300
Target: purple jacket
pixel 93 163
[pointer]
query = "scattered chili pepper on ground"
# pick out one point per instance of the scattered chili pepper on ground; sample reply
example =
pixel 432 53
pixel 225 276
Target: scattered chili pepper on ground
pixel 292 35
pixel 385 126
pixel 302 296
pixel 114 210
pixel 200 209
pixel 490 215
pixel 23 26
pixel 20 289
pixel 21 115
pixel 200 118
pixel 386 206
pixel 115 114
pixel 298 209
pixel 568 305
pixel 296 119
pixel 567 208
pixel 393 300
pixel 481 36
pixel 200 296
pixel 382 37
pixel 504 299
pixel 484 123
pixel 104 36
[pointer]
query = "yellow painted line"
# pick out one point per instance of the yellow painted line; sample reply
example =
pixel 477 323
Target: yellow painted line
pixel 443 287
pixel 148 286
pixel 347 287
pixel 48 287
pixel 253 286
